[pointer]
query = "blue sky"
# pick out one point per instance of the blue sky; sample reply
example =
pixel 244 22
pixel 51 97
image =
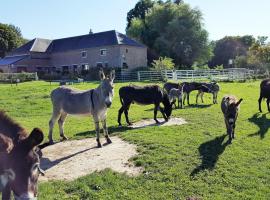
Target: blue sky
pixel 64 18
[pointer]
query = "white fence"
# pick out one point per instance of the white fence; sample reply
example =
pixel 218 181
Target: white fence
pixel 226 74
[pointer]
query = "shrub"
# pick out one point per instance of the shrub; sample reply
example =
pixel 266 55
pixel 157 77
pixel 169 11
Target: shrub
pixel 163 63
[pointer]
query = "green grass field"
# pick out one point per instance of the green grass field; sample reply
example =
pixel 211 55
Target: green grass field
pixel 191 160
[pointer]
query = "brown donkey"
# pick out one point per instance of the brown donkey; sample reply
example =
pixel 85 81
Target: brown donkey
pixel 230 108
pixel 19 161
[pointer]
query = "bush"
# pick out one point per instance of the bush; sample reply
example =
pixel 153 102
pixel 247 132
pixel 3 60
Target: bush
pixel 163 63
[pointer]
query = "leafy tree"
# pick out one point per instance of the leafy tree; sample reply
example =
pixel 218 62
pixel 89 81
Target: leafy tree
pixel 10 38
pixel 261 40
pixel 139 11
pixel 259 56
pixel 173 30
pixel 230 47
pixel 163 63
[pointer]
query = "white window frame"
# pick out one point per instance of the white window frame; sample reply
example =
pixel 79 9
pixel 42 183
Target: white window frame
pixel 85 54
pixel 85 64
pixel 105 50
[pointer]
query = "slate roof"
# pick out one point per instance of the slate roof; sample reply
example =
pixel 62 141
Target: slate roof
pixel 12 59
pixel 107 38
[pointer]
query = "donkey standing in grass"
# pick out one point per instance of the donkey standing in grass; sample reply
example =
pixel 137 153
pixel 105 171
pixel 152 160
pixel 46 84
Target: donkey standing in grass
pixel 212 87
pixel 230 107
pixel 176 94
pixel 93 102
pixel 264 93
pixel 151 94
pixel 188 87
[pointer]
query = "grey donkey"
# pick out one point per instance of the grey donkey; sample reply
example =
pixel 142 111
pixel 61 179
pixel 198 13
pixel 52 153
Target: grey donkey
pixel 176 94
pixel 93 102
pixel 213 88
pixel 230 107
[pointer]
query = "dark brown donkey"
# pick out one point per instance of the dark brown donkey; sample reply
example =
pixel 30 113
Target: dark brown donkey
pixel 146 95
pixel 19 162
pixel 265 93
pixel 230 108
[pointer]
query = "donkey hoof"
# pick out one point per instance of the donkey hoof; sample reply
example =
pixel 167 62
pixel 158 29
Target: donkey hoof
pixel 51 142
pixel 158 122
pixel 99 145
pixel 109 141
pixel 63 138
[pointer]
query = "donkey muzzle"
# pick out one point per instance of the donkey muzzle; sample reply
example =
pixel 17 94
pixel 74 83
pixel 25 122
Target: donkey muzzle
pixel 231 121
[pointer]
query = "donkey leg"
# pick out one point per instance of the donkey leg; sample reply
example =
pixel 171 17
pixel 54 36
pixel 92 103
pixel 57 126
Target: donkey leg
pixel 202 97
pixel 228 130
pixel 181 102
pixel 188 98
pixel 105 131
pixel 126 109
pixel 197 96
pixel 268 101
pixel 163 114
pixel 155 113
pixel 96 120
pixel 184 98
pixel 120 112
pixel 55 116
pixel 61 122
pixel 260 101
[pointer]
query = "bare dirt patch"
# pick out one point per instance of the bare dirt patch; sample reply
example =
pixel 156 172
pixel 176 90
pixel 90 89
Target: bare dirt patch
pixel 72 159
pixel 151 122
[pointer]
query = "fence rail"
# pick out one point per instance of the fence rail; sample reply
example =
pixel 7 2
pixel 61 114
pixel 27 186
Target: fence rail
pixel 225 74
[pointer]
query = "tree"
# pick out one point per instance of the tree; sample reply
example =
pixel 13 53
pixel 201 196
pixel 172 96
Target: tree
pixel 91 31
pixel 259 56
pixel 139 11
pixel 231 47
pixel 173 30
pixel 178 1
pixel 10 38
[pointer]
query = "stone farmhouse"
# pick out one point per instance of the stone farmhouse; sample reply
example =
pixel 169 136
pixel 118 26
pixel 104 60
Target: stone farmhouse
pixel 76 54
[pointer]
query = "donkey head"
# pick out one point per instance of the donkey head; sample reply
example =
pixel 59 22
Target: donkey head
pixel 232 111
pixel 107 87
pixel 167 105
pixel 21 165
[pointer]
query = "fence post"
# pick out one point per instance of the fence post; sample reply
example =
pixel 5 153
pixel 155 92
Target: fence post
pixel 138 76
pixel 36 76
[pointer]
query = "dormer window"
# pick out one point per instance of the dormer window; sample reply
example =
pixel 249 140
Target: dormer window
pixel 103 52
pixel 84 54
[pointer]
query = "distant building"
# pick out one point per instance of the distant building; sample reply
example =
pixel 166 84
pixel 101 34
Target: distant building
pixel 76 54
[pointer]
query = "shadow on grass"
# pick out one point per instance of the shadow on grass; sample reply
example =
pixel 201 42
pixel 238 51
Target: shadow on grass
pixel 198 106
pixel 111 130
pixel 262 122
pixel 210 152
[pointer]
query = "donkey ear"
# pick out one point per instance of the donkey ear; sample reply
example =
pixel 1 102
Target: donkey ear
pixel 112 75
pixel 35 138
pixel 101 75
pixel 238 103
pixel 6 144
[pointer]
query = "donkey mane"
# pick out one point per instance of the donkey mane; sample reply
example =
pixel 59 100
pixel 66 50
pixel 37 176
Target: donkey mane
pixel 10 128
